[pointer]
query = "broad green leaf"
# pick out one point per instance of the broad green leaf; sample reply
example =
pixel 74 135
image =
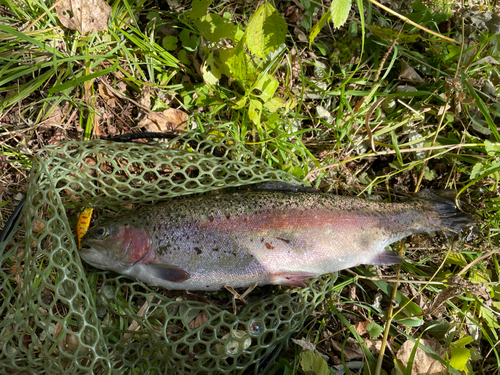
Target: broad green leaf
pixel 189 41
pixel 240 103
pixel 374 329
pixel 211 73
pixel 274 104
pixel 429 174
pixel 466 340
pixel 312 363
pixel 199 8
pixel 456 258
pixel 169 43
pixel 339 11
pixel 316 28
pixel 237 64
pixel 266 31
pixel 489 317
pixel 322 47
pixel 215 28
pixel 296 171
pixel 182 56
pixel 291 104
pixel 272 120
pixel 255 111
pixel 477 170
pixel 479 277
pixel 491 148
pixel 268 86
pixel 410 322
pixel 459 358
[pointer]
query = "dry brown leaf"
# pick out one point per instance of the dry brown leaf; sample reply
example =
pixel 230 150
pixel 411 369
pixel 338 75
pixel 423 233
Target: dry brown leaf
pixel 55 119
pixel 200 319
pixel 300 34
pixel 177 118
pixel 443 296
pixel 423 363
pixel 351 350
pixel 38 226
pixel 360 327
pixel 84 15
pixel 171 120
pixel 14 268
pixel 373 345
pixel 106 95
pixel 70 343
pixel 409 74
pixel 145 98
pixel 57 330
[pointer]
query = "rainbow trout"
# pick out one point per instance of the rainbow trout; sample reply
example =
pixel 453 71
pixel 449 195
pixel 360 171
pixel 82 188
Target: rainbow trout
pixel 263 237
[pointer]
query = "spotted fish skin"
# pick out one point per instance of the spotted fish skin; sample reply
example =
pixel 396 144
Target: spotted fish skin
pixel 263 237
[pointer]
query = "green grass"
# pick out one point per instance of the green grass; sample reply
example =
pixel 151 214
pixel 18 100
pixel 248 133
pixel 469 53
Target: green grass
pixel 442 134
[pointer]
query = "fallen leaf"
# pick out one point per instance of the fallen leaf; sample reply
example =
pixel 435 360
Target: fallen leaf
pixel 55 119
pixel 300 34
pixel 485 60
pixel 145 98
pixel 305 344
pixel 57 330
pixel 443 296
pixel 106 95
pixel 360 327
pixel 351 350
pixel 423 363
pixel 200 319
pixel 373 345
pixel 84 15
pixel 38 226
pixel 3 162
pixel 70 343
pixel 409 74
pixel 171 120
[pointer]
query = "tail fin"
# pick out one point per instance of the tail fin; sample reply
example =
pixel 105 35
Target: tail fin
pixel 442 202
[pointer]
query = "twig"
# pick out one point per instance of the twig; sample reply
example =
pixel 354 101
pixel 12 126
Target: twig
pixel 477 260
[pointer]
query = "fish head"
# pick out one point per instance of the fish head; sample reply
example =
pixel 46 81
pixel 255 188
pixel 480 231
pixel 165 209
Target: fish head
pixel 116 246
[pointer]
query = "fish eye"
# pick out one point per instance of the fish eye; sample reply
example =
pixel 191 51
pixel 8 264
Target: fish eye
pixel 101 232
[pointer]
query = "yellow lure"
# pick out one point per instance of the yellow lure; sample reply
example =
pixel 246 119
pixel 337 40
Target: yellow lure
pixel 83 224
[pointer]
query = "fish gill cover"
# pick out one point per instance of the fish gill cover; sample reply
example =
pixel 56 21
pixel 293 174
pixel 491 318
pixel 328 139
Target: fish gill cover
pixel 56 315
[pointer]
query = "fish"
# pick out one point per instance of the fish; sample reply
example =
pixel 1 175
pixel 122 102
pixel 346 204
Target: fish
pixel 280 236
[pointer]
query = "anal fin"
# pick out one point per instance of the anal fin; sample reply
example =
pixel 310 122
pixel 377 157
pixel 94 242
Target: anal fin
pixel 166 272
pixel 291 279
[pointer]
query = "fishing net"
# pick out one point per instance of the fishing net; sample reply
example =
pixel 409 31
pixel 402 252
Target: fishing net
pixel 59 315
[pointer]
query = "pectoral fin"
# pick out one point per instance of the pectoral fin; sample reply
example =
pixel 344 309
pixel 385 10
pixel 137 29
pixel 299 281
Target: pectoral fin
pixel 385 258
pixel 166 272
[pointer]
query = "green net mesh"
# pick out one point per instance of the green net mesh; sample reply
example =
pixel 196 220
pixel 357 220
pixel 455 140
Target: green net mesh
pixel 57 315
